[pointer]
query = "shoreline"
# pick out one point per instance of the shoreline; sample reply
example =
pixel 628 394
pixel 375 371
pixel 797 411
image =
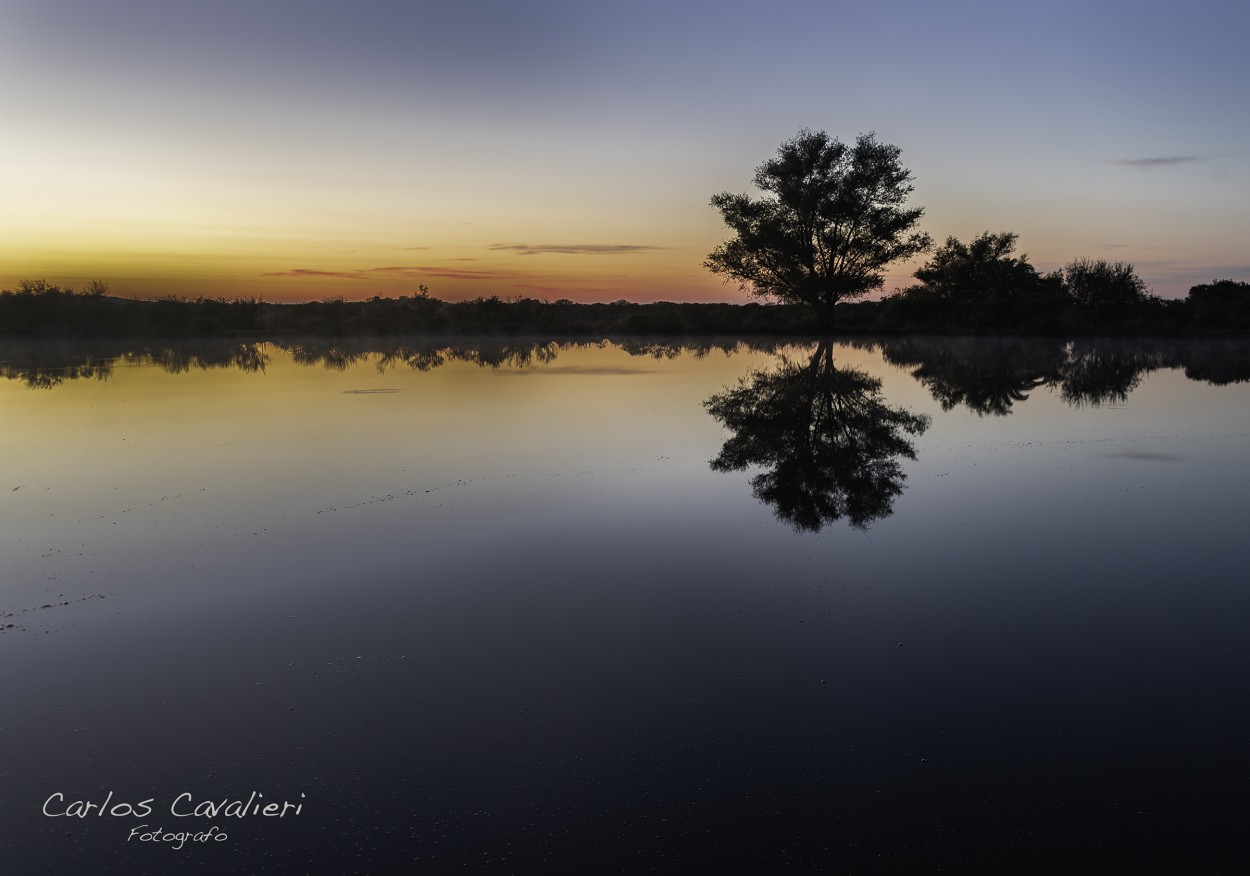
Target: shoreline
pixel 60 314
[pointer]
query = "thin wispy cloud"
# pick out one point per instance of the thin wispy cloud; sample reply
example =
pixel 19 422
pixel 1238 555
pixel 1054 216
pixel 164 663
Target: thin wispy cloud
pixel 452 273
pixel 575 248
pixel 412 271
pixel 1152 163
pixel 308 272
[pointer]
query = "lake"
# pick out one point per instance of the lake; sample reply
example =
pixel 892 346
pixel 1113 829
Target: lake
pixel 838 606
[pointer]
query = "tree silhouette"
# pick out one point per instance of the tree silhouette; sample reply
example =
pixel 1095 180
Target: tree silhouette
pixel 1099 283
pixel 982 270
pixel 829 442
pixel 831 220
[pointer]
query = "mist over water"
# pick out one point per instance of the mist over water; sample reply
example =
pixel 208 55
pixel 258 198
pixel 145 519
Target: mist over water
pixel 543 605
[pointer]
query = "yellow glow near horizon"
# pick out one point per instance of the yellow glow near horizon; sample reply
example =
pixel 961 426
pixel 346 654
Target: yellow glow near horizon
pixel 160 230
pixel 185 271
pixel 171 219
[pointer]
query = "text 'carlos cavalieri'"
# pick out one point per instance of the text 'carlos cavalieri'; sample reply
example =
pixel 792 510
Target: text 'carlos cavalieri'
pixel 182 806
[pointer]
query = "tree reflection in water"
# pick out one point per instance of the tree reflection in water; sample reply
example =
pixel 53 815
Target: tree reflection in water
pixel 988 376
pixel 828 441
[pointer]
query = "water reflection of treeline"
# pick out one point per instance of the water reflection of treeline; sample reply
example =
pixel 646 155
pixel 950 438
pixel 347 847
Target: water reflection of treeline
pixel 985 375
pixel 43 364
pixel 825 444
pixel 989 376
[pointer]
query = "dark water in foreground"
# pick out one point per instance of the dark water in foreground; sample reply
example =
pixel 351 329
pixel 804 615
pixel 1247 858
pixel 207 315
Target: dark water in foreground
pixel 904 607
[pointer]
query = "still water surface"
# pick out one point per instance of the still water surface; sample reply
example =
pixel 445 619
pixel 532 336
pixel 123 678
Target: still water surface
pixel 616 607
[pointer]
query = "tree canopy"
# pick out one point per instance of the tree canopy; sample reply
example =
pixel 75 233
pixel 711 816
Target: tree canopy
pixel 1099 283
pixel 832 218
pixel 980 270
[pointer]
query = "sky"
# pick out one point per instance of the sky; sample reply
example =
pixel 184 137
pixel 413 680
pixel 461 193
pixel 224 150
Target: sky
pixel 300 149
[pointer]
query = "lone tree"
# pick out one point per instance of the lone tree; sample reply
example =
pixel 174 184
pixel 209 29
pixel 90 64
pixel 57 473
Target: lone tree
pixel 831 220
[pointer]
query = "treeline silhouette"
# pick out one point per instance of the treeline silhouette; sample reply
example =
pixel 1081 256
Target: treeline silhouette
pixel 981 293
pixel 39 309
pixel 982 287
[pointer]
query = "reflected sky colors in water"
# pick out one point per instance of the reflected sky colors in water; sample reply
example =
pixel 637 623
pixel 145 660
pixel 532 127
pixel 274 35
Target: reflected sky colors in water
pixel 495 609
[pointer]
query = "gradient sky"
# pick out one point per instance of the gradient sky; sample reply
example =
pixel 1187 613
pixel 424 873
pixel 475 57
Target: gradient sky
pixel 299 149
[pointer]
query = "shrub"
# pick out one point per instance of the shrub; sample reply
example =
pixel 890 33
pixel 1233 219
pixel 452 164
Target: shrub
pixel 1099 283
